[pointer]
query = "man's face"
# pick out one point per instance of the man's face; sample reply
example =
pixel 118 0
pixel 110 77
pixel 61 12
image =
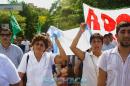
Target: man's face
pixel 96 44
pixel 106 40
pixel 5 37
pixel 123 36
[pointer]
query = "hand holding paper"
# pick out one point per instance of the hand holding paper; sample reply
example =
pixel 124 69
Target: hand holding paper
pixel 55 35
pixel 82 27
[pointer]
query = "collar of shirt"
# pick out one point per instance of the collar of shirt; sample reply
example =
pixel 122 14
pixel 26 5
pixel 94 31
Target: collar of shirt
pixel 44 56
pixel 91 54
pixel 6 48
pixel 115 51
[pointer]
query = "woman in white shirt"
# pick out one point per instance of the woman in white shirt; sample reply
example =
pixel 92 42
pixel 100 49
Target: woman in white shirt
pixel 39 65
pixel 90 59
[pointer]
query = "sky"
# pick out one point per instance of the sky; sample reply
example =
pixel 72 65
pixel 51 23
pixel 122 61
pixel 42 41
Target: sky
pixel 39 3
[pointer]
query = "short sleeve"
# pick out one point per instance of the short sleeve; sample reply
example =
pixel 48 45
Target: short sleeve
pixel 103 61
pixel 53 58
pixel 22 65
pixel 20 55
pixel 12 73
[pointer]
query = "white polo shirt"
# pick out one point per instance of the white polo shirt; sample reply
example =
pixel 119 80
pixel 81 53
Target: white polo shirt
pixel 90 70
pixel 38 73
pixel 8 72
pixel 118 72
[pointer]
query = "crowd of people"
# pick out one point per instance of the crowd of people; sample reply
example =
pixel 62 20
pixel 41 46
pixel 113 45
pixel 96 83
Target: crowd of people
pixel 105 63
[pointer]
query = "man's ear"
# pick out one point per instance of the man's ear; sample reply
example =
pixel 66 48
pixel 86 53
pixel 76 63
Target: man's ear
pixel 116 35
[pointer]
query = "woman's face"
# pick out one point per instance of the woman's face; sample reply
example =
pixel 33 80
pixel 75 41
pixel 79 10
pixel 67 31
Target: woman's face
pixel 96 44
pixel 39 46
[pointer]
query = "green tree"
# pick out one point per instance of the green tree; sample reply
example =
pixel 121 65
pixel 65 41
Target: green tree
pixel 68 14
pixel 32 13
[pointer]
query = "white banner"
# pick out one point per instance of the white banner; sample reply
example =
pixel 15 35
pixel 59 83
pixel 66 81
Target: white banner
pixel 66 38
pixel 104 21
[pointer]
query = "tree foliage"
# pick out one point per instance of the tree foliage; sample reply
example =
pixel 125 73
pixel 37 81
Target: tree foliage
pixel 108 4
pixel 32 14
pixel 4 18
pixel 68 14
pixel 28 18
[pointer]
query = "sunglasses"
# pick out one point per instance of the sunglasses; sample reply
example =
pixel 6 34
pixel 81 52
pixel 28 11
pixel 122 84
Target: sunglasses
pixel 5 35
pixel 39 44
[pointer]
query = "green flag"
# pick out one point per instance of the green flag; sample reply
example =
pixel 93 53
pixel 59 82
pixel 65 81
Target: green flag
pixel 14 24
pixel 15 27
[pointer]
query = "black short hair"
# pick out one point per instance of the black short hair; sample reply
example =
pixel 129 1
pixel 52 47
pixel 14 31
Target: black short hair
pixel 106 35
pixel 96 35
pixel 110 34
pixel 122 24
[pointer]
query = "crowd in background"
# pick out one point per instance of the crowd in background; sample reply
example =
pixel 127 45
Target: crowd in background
pixel 42 67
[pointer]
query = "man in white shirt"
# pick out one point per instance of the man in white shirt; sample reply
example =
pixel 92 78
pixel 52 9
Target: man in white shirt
pixel 8 73
pixel 107 43
pixel 114 65
pixel 90 60
pixel 113 39
pixel 27 44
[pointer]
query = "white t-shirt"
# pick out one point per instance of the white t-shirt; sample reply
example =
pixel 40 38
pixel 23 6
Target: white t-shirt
pixel 90 70
pixel 8 72
pixel 118 72
pixel 38 73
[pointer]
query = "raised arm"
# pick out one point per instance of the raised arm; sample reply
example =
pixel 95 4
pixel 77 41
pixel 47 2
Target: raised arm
pixel 62 57
pixel 79 53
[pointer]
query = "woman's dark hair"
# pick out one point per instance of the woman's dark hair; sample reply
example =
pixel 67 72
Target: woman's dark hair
pixel 97 36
